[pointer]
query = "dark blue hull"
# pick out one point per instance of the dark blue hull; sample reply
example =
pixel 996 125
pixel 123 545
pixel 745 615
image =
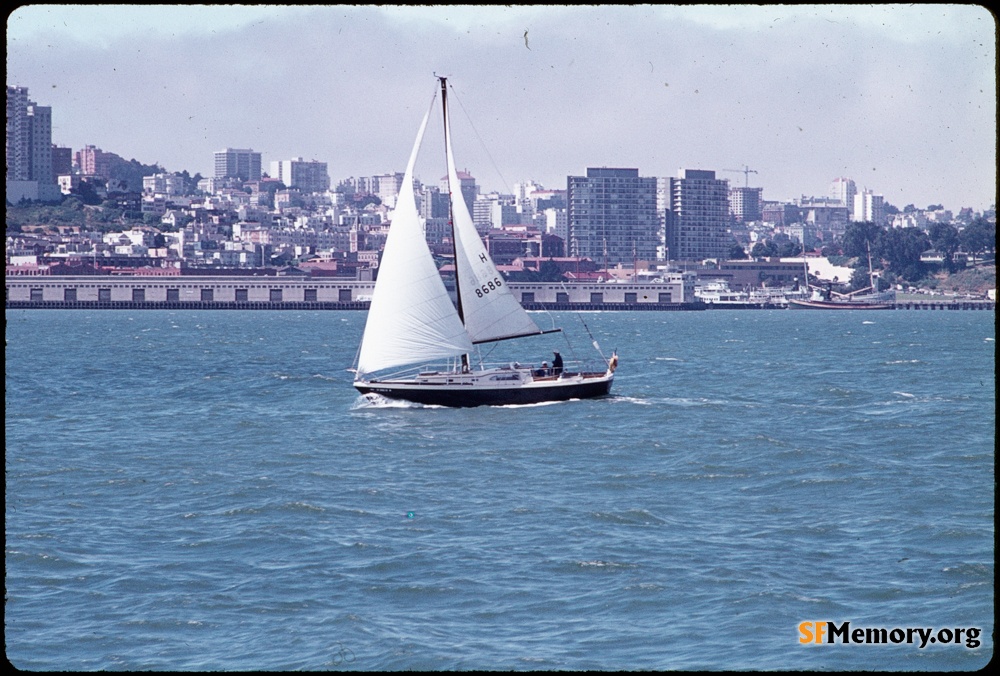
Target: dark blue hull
pixel 458 397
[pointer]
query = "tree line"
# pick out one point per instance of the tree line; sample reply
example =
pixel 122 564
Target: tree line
pixel 898 250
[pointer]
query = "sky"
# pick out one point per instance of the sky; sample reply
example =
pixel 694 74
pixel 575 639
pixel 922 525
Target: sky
pixel 899 98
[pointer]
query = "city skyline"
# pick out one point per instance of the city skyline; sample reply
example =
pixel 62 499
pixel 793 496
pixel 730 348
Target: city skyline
pixel 901 99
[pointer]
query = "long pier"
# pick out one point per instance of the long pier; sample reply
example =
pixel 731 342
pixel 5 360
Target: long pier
pixel 954 304
pixel 183 292
pixel 363 305
pixel 182 305
pixel 946 305
pixel 314 305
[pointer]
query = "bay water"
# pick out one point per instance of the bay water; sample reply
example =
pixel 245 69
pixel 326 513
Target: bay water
pixel 204 490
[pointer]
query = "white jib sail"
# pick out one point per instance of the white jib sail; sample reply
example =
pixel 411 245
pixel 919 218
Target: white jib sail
pixel 489 309
pixel 411 318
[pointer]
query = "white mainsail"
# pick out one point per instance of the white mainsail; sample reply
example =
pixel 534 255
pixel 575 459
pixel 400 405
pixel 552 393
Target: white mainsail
pixel 489 309
pixel 411 318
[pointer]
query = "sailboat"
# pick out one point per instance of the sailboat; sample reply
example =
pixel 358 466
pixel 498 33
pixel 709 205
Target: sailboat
pixel 418 345
pixel 868 298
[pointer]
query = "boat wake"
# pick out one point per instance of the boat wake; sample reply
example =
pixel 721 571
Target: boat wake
pixel 631 400
pixel 535 404
pixel 372 400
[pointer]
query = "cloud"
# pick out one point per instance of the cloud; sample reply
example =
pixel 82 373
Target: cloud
pixel 901 99
pixel 105 25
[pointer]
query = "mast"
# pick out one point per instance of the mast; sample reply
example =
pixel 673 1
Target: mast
pixel 635 263
pixel 871 270
pixel 451 215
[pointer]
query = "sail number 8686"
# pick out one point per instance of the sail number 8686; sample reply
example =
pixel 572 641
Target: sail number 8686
pixel 492 285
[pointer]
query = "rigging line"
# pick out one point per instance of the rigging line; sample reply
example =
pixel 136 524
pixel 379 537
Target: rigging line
pixel 482 358
pixel 580 317
pixel 569 346
pixel 552 320
pixel 593 341
pixel 480 139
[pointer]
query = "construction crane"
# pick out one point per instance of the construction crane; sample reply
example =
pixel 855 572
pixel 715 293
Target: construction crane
pixel 746 171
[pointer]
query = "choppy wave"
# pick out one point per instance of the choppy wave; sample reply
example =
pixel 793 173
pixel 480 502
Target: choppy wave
pixel 234 505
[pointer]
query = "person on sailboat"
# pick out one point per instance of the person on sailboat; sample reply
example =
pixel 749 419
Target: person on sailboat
pixel 557 363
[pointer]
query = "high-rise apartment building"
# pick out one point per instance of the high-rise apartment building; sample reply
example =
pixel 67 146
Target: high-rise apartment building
pixel 29 137
pixel 843 190
pixel 869 207
pixel 611 216
pixel 468 187
pixel 308 177
pixel 361 185
pixel 29 148
pixel 482 213
pixel 243 164
pixel 494 211
pixel 698 223
pixel 62 162
pixel 18 134
pixel 387 187
pixel 745 203
pixel 432 203
pixel 93 161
